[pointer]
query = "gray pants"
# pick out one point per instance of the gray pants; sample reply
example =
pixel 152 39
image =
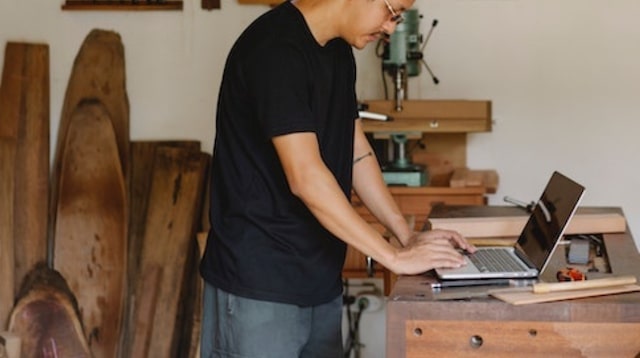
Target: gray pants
pixel 237 327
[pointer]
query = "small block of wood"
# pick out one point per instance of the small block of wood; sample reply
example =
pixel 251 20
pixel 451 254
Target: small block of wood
pixel 458 178
pixel 466 178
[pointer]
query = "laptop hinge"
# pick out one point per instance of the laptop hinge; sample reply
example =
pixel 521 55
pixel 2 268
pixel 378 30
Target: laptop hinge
pixel 523 257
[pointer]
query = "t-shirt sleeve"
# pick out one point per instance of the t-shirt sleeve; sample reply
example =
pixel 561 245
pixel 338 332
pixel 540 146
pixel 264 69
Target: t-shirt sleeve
pixel 279 83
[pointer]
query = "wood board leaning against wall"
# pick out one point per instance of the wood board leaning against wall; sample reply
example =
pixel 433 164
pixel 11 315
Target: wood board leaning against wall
pixel 102 234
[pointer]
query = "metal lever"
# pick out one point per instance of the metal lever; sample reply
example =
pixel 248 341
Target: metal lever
pixel 371 270
pixel 526 206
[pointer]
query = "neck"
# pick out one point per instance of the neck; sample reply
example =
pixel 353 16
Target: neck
pixel 320 17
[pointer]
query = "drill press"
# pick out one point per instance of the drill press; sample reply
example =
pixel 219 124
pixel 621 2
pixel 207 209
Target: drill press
pixel 401 171
pixel 401 58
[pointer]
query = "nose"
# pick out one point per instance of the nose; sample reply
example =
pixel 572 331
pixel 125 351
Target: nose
pixel 389 27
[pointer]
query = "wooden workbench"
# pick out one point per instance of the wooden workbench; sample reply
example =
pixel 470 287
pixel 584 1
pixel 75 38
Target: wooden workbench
pixel 423 323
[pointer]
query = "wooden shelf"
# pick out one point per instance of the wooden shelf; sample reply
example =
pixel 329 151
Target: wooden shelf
pixel 121 6
pixel 436 190
pixel 264 2
pixel 431 116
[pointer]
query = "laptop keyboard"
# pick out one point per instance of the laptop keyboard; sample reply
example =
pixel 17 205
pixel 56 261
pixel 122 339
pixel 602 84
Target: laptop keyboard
pixel 495 260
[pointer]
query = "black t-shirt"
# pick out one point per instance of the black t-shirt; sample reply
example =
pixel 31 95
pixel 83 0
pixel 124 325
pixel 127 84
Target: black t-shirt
pixel 264 243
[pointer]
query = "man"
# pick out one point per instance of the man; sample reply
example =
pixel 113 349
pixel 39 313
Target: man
pixel 289 149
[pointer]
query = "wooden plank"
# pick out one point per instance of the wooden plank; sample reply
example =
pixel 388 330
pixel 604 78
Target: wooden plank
pixel 7 155
pixel 510 226
pixel 194 342
pixel 98 72
pixel 91 228
pixel 141 169
pixel 146 312
pixel 459 178
pixel 524 296
pixel 173 211
pixel 142 161
pixel 25 104
pixel 210 4
pixel 10 90
pixel 449 338
pixel 109 5
pixel 431 116
pixel 546 287
pixel 46 317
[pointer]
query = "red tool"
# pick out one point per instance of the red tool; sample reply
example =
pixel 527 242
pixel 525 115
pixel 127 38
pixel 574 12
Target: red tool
pixel 570 274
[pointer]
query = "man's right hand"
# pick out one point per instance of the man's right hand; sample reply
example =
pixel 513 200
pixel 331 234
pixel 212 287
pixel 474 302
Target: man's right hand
pixel 431 249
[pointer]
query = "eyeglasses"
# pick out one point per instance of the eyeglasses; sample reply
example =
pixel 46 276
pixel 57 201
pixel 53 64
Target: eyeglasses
pixel 395 17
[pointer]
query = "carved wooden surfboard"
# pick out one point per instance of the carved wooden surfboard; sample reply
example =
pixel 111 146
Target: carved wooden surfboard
pixel 91 228
pixel 98 72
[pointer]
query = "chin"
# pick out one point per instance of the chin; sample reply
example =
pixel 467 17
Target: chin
pixel 359 45
pixel 362 43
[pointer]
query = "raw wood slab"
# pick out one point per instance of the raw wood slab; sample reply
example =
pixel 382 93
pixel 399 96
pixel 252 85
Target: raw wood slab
pixel 91 228
pixel 7 155
pixel 145 313
pixel 142 160
pixel 141 169
pixel 172 214
pixel 24 115
pixel 98 72
pixel 46 317
pixel 194 340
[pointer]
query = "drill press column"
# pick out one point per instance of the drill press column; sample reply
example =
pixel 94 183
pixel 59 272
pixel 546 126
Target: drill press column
pixel 401 171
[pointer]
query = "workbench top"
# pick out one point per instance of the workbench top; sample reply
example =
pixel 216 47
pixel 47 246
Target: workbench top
pixel 423 322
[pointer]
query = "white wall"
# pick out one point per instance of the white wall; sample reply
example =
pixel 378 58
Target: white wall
pixel 562 76
pixel 564 81
pixel 174 59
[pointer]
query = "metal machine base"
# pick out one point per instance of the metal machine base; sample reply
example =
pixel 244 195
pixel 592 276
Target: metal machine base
pixel 414 175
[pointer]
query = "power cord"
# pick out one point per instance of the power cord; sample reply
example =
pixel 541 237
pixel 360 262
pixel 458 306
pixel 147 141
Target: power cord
pixel 352 342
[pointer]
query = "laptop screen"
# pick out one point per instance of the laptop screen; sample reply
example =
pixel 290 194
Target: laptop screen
pixel 549 219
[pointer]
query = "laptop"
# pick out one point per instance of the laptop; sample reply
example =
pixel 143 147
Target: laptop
pixel 531 253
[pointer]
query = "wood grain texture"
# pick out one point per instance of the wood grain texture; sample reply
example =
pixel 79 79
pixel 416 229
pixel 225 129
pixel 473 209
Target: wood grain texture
pixel 140 174
pixel 98 72
pixel 172 216
pixel 91 228
pixel 431 116
pixel 144 319
pixel 9 91
pixel 46 317
pixel 25 109
pixel 142 161
pixel 513 339
pixel 606 326
pixel 525 297
pixel 7 155
pixel 194 340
